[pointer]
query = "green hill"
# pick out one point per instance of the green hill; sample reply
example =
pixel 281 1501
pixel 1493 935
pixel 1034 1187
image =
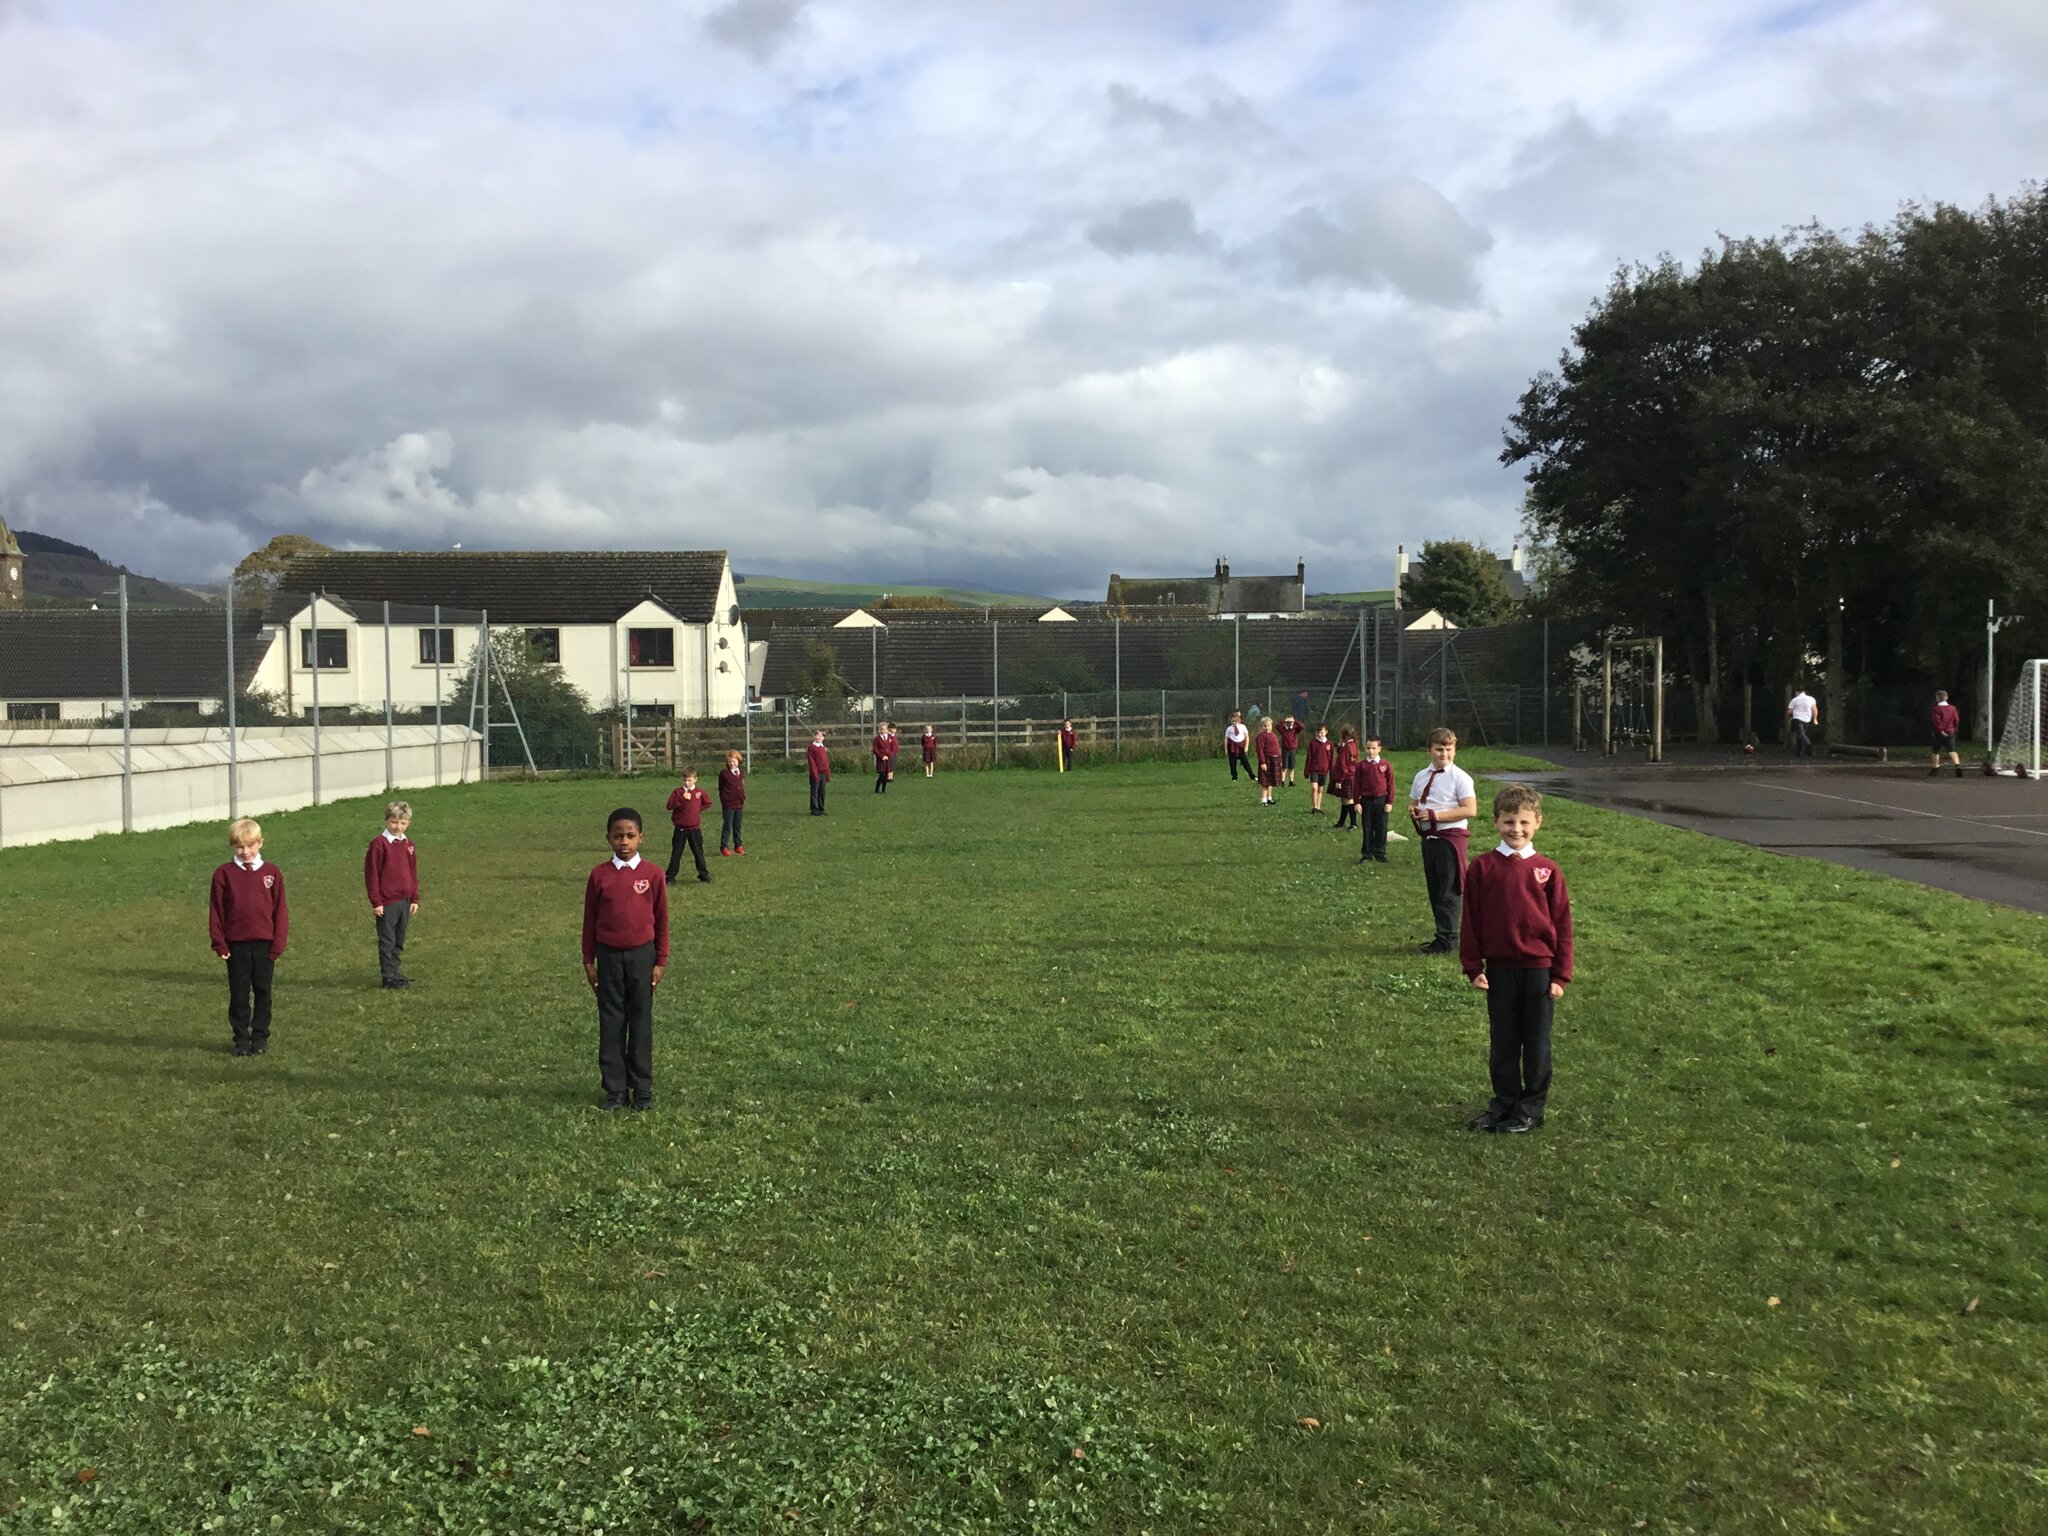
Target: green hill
pixel 793 592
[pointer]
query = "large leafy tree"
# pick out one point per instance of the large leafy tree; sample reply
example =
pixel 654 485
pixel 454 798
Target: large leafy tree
pixel 1462 581
pixel 257 576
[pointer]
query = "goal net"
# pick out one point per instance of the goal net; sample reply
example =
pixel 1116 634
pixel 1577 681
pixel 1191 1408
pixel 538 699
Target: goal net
pixel 2019 744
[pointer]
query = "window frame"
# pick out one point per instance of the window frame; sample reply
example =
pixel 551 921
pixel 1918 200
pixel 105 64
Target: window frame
pixel 544 643
pixel 446 646
pixel 633 645
pixel 308 649
pixel 16 708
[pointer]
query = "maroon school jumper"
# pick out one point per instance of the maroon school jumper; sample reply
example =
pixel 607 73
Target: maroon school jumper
pixel 1347 764
pixel 885 750
pixel 391 872
pixel 819 757
pixel 625 908
pixel 1373 780
pixel 1947 719
pixel 930 743
pixel 1267 745
pixel 1318 760
pixel 732 789
pixel 1290 735
pixel 1517 913
pixel 246 905
pixel 1067 739
pixel 686 808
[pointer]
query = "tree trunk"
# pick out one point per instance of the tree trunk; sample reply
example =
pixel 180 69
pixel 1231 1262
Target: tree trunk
pixel 1710 687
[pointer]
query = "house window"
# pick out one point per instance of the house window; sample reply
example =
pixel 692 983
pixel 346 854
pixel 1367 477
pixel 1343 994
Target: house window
pixel 32 711
pixel 545 645
pixel 181 706
pixel 333 649
pixel 650 647
pixel 437 645
pixel 653 712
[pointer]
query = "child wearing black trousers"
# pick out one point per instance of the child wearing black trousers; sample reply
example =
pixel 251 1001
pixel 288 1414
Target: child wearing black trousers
pixel 1441 803
pixel 1517 949
pixel 885 757
pixel 818 759
pixel 625 950
pixel 1237 742
pixel 1373 787
pixel 248 922
pixel 686 810
pixel 391 879
pixel 732 805
pixel 1342 773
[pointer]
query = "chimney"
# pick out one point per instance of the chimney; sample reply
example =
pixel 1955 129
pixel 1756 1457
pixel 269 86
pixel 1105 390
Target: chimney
pixel 1515 556
pixel 1222 569
pixel 1301 571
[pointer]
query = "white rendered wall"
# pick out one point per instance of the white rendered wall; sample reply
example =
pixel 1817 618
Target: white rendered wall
pixel 56 785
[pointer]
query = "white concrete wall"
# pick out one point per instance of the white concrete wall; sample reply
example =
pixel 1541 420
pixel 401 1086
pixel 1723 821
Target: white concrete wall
pixel 67 784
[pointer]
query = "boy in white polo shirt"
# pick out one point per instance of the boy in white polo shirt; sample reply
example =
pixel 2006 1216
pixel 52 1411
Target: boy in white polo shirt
pixel 1441 802
pixel 1802 712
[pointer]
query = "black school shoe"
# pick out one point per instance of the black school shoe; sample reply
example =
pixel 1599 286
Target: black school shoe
pixel 1520 1124
pixel 613 1101
pixel 640 1105
pixel 242 1048
pixel 1488 1119
pixel 1436 947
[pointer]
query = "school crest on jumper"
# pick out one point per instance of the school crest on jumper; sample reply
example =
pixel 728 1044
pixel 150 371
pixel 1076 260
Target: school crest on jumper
pixel 1542 876
pixel 640 887
pixel 269 881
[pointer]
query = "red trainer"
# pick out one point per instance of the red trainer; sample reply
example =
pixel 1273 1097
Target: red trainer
pixel 725 853
pixel 739 848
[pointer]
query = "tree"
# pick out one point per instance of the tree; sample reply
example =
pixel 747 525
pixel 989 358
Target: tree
pixel 256 578
pixel 560 725
pixel 819 690
pixel 1462 581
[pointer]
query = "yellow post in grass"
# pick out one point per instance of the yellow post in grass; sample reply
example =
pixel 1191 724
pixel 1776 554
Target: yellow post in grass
pixel 1059 751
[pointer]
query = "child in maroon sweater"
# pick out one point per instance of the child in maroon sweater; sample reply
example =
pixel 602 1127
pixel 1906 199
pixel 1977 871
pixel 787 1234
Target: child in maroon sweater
pixel 1320 758
pixel 1372 785
pixel 1266 748
pixel 818 758
pixel 391 879
pixel 1517 949
pixel 686 812
pixel 928 744
pixel 247 921
pixel 732 804
pixel 1290 740
pixel 625 950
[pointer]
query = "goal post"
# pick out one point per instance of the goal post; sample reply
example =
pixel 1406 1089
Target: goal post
pixel 2019 744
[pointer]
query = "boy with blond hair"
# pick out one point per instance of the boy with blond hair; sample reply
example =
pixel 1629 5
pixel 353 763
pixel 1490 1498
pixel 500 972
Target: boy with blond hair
pixel 247 921
pixel 1517 949
pixel 391 879
pixel 1441 803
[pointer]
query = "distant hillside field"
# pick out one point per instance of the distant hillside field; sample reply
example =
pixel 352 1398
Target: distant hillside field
pixel 52 573
pixel 790 592
pixel 1383 598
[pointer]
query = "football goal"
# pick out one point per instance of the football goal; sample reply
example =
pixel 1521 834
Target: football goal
pixel 2019 744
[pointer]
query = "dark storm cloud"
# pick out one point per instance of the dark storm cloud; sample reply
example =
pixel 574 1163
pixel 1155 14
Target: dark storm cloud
pixel 757 28
pixel 1164 224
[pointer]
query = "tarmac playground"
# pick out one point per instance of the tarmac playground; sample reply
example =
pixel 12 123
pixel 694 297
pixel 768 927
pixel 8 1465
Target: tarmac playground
pixel 1979 836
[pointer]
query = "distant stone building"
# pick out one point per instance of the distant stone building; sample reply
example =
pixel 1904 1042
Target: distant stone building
pixel 1220 596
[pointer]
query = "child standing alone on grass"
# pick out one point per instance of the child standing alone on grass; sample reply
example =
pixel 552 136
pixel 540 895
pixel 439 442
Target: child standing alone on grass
pixel 625 950
pixel 1068 741
pixel 1319 761
pixel 247 921
pixel 1441 803
pixel 391 877
pixel 1373 785
pixel 1517 949
pixel 686 810
pixel 928 744
pixel 885 757
pixel 1266 747
pixel 818 758
pixel 732 805
pixel 1236 740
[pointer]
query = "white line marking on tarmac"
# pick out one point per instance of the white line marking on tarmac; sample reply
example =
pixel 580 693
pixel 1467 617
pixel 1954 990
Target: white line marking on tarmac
pixel 1905 810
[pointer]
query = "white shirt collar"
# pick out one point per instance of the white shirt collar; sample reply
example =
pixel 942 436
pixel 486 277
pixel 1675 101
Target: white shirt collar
pixel 257 865
pixel 1526 851
pixel 619 863
pixel 392 837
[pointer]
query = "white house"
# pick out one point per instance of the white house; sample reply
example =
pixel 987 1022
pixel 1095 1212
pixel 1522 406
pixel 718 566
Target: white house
pixel 658 631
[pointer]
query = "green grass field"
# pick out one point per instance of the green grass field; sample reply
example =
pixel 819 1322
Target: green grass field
pixel 1030 1154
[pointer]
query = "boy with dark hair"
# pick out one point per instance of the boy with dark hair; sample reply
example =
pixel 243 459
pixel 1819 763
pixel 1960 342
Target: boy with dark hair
pixel 1947 720
pixel 1290 739
pixel 391 878
pixel 1517 949
pixel 1441 803
pixel 732 805
pixel 247 921
pixel 625 950
pixel 1373 788
pixel 818 758
pixel 686 811
pixel 1068 742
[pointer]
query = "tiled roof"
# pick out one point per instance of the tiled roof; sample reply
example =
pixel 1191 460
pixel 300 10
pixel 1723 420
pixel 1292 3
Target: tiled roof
pixel 75 653
pixel 516 586
pixel 1220 594
pixel 289 605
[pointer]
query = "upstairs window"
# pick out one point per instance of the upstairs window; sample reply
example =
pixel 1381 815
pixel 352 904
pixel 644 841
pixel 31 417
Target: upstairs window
pixel 333 650
pixel 437 645
pixel 545 645
pixel 650 647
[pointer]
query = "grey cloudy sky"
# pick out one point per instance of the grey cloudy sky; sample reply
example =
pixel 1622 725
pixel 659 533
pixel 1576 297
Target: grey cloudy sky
pixel 1012 292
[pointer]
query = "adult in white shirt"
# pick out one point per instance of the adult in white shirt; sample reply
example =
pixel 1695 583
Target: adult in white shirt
pixel 1441 803
pixel 1802 714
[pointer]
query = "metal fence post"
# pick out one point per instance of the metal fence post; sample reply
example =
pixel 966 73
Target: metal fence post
pixel 1162 714
pixel 1546 682
pixel 785 728
pixel 1118 637
pixel 963 719
pixel 127 725
pixel 1236 669
pixel 437 695
pixel 390 750
pixel 313 666
pixel 234 789
pixel 995 677
pixel 483 661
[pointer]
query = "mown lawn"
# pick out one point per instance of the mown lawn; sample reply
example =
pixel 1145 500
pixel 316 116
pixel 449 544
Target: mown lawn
pixel 1030 1154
